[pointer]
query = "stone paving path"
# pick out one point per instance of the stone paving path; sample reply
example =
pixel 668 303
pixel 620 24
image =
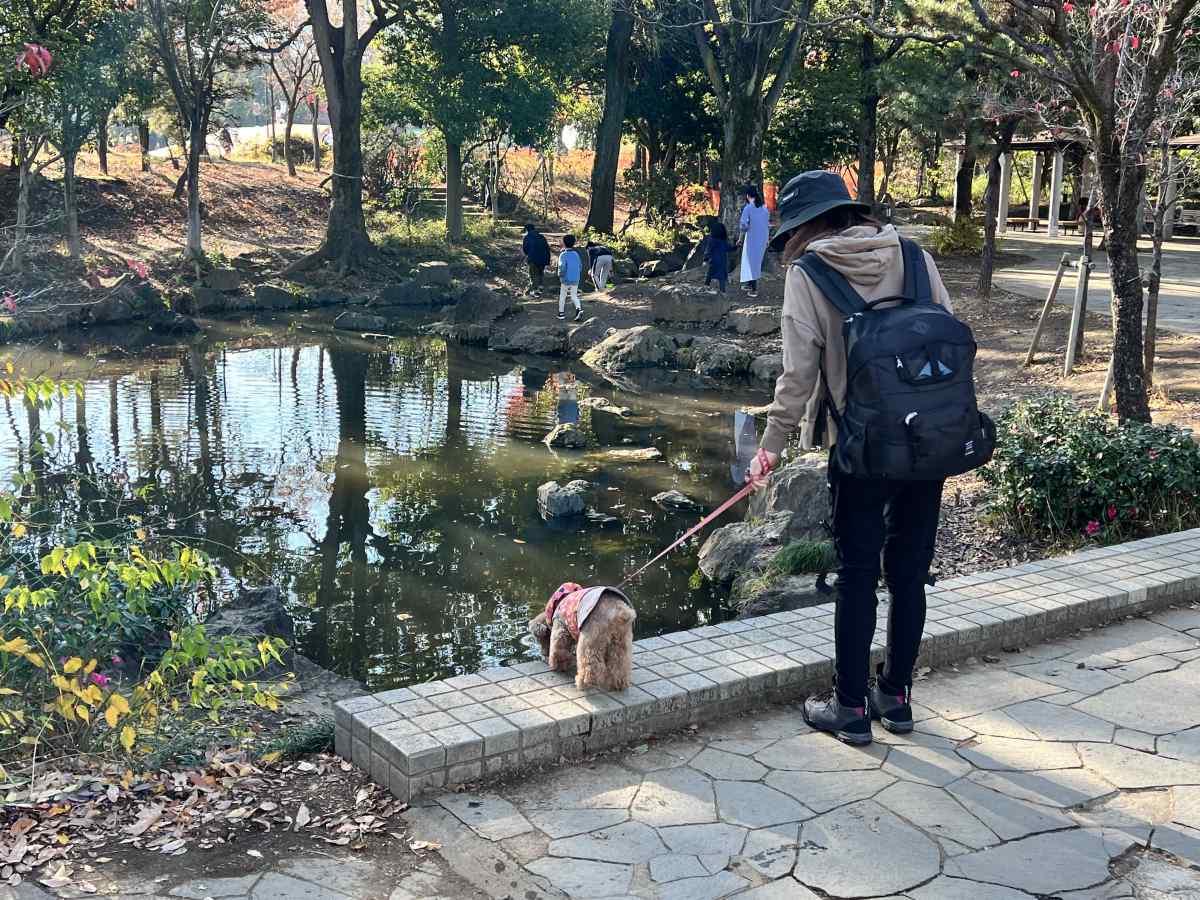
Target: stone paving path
pixel 1069 770
pixel 1032 776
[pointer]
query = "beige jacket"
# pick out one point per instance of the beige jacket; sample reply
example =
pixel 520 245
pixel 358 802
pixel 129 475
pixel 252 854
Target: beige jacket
pixel 870 258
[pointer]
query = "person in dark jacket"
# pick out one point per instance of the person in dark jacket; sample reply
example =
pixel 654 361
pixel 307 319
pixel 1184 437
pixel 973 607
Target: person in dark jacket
pixel 537 256
pixel 600 263
pixel 716 251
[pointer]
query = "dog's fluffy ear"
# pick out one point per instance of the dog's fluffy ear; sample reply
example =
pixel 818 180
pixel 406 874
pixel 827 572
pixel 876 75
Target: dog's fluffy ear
pixel 540 629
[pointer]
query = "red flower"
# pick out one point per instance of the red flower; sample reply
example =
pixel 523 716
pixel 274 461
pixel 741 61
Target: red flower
pixel 1135 42
pixel 9 302
pixel 1015 73
pixel 1112 513
pixel 1153 454
pixel 99 680
pixel 1093 528
pixel 1068 7
pixel 35 59
pixel 138 268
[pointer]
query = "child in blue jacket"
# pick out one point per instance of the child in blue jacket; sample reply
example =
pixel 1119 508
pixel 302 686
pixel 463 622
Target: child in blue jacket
pixel 570 270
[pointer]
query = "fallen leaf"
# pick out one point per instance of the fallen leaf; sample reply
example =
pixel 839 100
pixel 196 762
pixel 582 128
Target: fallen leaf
pixel 145 819
pixel 255 853
pixel 417 846
pixel 303 817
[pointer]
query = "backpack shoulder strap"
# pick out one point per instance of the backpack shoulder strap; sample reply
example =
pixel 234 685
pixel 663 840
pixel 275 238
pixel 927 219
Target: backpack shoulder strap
pixel 916 272
pixel 832 284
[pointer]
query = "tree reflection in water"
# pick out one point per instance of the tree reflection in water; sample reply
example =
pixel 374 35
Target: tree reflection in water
pixel 383 486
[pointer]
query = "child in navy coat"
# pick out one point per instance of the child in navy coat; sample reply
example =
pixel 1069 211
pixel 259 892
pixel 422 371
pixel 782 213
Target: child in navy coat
pixel 717 254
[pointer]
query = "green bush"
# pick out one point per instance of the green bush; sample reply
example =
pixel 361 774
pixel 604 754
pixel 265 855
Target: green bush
pixel 804 557
pixel 1061 471
pixel 964 238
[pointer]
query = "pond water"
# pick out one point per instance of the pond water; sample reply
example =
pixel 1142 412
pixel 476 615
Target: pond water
pixel 387 487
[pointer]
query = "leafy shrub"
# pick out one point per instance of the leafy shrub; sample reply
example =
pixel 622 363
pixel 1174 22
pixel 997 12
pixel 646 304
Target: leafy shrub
pixel 1061 471
pixel 100 650
pixel 963 237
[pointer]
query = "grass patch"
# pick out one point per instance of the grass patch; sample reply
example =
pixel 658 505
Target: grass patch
pixel 313 737
pixel 804 558
pixel 485 246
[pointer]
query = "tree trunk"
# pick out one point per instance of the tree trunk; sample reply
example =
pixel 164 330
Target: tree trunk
pixel 1120 198
pixel 921 173
pixel 987 262
pixel 271 130
pixel 741 161
pixel 1153 283
pixel 70 205
pixel 601 212
pixel 287 140
pixel 316 134
pixel 454 192
pixel 144 143
pixel 102 143
pixel 868 121
pixel 963 181
pixel 195 248
pixel 25 180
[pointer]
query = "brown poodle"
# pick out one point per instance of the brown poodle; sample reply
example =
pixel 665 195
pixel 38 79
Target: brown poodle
pixel 591 628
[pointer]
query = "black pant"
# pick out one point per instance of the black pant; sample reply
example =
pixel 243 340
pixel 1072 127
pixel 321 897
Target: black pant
pixel 899 518
pixel 537 276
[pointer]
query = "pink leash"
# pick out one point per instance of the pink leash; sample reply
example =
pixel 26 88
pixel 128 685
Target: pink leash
pixel 766 470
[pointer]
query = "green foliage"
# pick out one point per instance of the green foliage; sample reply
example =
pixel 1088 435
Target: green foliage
pixel 804 558
pixel 962 237
pixel 100 650
pixel 1060 471
pixel 311 737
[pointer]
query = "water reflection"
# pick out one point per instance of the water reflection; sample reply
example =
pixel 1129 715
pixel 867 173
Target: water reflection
pixel 388 488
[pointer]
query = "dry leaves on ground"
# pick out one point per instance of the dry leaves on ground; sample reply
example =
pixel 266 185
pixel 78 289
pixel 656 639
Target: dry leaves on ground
pixel 55 827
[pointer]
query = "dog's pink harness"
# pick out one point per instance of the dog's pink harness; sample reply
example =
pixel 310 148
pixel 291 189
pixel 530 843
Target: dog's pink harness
pixel 573 603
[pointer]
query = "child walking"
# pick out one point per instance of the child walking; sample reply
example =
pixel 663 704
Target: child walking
pixel 717 254
pixel 570 270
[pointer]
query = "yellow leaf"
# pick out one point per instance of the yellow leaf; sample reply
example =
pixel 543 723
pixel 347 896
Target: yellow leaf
pixel 19 530
pixel 119 703
pixel 90 667
pixel 36 660
pixel 6 691
pixel 9 367
pixel 128 736
pixel 82 712
pixel 236 685
pixel 273 756
pixel 73 665
pixel 111 716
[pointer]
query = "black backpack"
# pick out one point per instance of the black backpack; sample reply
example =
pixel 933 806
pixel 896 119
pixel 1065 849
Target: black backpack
pixel 910 412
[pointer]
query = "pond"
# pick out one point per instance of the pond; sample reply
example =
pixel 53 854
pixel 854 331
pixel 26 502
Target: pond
pixel 388 487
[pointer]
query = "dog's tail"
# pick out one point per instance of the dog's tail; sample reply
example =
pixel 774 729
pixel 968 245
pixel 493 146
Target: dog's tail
pixel 625 615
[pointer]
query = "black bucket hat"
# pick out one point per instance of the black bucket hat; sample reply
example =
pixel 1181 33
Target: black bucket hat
pixel 807 196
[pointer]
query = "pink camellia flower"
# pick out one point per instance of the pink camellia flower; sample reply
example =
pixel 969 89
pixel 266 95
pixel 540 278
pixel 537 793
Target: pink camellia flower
pixel 138 267
pixel 1135 42
pixel 1112 513
pixel 116 660
pixel 1068 7
pixel 35 59
pixel 1093 528
pixel 1015 73
pixel 99 680
pixel 9 302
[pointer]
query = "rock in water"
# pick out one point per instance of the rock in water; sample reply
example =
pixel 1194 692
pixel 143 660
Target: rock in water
pixel 767 367
pixel 586 334
pixel 632 348
pixel 224 280
pixel 801 491
pixel 356 321
pixel 256 613
pixel 545 339
pixel 436 273
pixel 709 356
pixel 728 550
pixel 566 436
pixel 600 519
pixel 604 405
pixel 675 500
pixel 755 595
pixel 408 293
pixel 480 305
pixel 641 454
pixel 555 500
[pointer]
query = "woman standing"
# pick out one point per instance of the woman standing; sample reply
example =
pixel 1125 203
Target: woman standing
pixel 895 518
pixel 756 226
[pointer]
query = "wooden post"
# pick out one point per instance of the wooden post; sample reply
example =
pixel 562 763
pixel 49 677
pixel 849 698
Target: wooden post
pixel 1073 337
pixel 1106 391
pixel 1041 325
pixel 1006 170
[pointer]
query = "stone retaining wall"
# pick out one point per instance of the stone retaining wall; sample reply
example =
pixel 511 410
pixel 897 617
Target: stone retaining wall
pixel 502 719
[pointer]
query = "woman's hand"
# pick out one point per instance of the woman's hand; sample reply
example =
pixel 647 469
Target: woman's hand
pixel 763 465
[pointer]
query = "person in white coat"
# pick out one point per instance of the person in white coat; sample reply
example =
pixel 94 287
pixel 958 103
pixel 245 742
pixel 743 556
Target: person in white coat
pixel 755 224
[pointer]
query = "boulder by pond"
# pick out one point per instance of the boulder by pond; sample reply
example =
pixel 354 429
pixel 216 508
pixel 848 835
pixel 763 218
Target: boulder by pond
pixel 640 347
pixel 586 334
pixel 606 406
pixel 626 267
pixel 435 273
pixel 759 595
pixel 758 320
pixel 675 500
pixel 689 304
pixel 729 550
pixel 665 265
pixel 566 436
pixel 480 305
pixel 272 296
pixel 767 367
pixel 800 490
pixel 256 612
pixel 227 281
pixel 356 321
pixel 557 500
pixel 409 293
pixel 549 340
pixel 710 356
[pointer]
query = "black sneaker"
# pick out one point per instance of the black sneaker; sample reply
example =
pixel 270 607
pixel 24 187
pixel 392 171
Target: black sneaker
pixel 578 314
pixel 847 723
pixel 891 707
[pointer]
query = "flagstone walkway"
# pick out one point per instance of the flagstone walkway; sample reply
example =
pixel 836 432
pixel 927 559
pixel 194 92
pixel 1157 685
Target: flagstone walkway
pixel 1068 770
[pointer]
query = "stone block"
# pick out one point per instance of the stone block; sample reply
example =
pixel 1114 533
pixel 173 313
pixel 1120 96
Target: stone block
pixel 228 281
pixel 499 735
pixel 462 744
pixel 435 272
pixel 536 727
pixel 341 743
pixel 380 770
pixel 360 753
pixel 364 722
pixel 398 785
pixel 418 753
pixel 571 717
